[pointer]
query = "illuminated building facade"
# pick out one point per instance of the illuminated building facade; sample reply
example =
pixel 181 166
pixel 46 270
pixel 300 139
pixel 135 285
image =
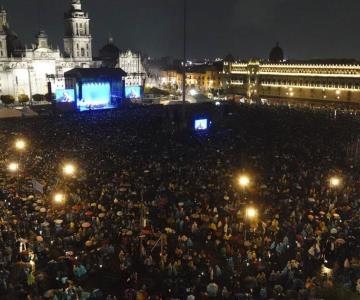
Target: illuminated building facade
pixel 300 80
pixel 131 63
pixel 25 70
pixel 202 78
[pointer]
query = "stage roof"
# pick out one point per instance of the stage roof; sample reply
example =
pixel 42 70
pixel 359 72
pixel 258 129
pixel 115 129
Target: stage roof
pixel 97 74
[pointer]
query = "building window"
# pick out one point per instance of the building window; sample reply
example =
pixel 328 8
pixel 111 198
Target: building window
pixel 87 46
pixel 82 52
pixel 77 46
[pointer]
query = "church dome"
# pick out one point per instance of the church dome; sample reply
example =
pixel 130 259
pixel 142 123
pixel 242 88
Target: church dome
pixel 109 54
pixel 14 45
pixel 276 54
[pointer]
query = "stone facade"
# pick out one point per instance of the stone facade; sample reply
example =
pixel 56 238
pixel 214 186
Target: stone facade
pixel 298 80
pixel 25 70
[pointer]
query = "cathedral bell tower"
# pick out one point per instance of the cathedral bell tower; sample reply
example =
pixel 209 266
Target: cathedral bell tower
pixel 3 35
pixel 77 40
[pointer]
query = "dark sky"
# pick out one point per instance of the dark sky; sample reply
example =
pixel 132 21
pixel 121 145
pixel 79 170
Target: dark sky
pixel 245 28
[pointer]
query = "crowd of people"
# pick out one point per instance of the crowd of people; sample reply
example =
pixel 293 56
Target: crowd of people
pixel 155 210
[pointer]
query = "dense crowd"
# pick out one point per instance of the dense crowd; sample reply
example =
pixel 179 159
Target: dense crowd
pixel 155 211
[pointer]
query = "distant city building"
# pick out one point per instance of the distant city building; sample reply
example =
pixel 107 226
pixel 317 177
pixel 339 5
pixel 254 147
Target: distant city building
pixel 132 64
pixel 111 56
pixel 336 80
pixel 202 77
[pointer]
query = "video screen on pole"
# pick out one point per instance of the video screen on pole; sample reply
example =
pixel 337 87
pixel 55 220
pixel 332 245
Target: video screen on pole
pixel 65 95
pixel 95 96
pixel 133 92
pixel 201 124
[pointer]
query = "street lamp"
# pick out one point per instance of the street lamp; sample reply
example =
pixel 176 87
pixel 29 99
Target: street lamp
pixel 335 182
pixel 59 198
pixel 20 145
pixel 69 169
pixel 13 167
pixel 250 214
pixel 244 181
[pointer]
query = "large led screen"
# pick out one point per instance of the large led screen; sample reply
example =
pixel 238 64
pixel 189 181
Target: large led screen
pixel 133 92
pixel 201 124
pixel 95 96
pixel 63 95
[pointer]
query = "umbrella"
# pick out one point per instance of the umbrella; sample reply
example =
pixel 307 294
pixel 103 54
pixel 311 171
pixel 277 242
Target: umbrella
pixel 129 232
pixel 43 210
pixel 250 282
pixel 151 242
pixel 119 213
pixel 88 243
pixel 340 242
pixel 212 289
pixel 333 231
pixel 93 204
pixel 58 221
pixel 169 230
pixel 122 189
pixel 49 294
pixel 101 215
pixel 39 238
pixel 86 225
pixel 89 213
pixel 45 224
pixel 336 216
pixel 311 200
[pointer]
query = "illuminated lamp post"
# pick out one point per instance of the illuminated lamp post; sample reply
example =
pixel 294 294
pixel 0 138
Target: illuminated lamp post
pixel 20 145
pixel 250 214
pixel 335 182
pixel 184 62
pixel 69 170
pixel 14 168
pixel 59 198
pixel 244 182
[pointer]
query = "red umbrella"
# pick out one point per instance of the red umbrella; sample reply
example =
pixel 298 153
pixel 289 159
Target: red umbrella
pixel 89 213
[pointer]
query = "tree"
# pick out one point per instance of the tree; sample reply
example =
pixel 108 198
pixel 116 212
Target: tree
pixel 23 98
pixel 38 97
pixel 7 99
pixel 156 91
pixel 49 97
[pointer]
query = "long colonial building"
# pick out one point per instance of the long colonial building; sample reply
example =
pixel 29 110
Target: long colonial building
pixel 27 70
pixel 276 78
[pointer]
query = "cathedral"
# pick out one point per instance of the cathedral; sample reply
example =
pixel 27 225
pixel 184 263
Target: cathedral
pixel 27 71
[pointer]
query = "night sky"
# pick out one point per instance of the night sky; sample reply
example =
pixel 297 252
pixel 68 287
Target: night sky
pixel 245 28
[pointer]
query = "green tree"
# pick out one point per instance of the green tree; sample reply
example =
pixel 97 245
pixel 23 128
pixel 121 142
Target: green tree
pixel 49 97
pixel 7 99
pixel 156 91
pixel 23 98
pixel 38 97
